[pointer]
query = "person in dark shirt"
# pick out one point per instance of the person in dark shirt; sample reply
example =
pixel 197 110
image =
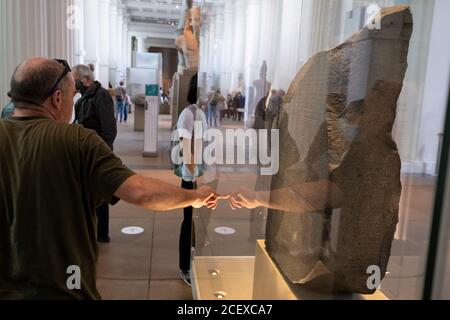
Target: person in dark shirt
pixel 95 110
pixel 54 175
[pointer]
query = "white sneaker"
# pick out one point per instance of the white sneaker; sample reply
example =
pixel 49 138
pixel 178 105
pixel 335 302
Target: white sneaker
pixel 186 277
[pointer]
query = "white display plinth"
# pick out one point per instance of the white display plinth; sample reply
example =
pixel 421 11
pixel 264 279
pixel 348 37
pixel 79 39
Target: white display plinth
pixel 235 278
pixel 145 77
pixel 151 127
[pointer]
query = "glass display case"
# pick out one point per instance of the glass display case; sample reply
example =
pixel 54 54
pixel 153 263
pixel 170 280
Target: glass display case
pixel 332 146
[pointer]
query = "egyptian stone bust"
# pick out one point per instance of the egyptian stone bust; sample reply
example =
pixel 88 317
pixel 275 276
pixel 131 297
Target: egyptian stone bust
pixel 188 42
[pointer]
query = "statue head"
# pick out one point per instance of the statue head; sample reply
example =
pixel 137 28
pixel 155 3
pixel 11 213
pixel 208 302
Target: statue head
pixel 184 21
pixel 194 19
pixel 189 4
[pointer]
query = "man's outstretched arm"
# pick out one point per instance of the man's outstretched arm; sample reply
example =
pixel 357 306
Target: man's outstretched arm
pixel 307 197
pixel 157 195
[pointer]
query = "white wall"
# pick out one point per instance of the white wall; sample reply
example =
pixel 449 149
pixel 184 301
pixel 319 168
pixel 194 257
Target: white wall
pixel 436 88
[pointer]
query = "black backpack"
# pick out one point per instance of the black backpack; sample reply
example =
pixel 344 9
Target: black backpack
pixel 214 101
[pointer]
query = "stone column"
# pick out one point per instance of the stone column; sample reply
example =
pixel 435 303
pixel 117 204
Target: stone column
pixel 141 44
pixel 126 45
pixel 238 42
pixel 91 34
pixel 103 18
pixel 60 37
pixel 77 14
pixel 287 62
pixel 114 43
pixel 120 45
pixel 27 29
pixel 210 43
pixel 228 35
pixel 252 64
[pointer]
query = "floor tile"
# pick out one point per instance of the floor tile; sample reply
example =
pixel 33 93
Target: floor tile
pixel 165 262
pixel 127 257
pixel 169 290
pixel 123 289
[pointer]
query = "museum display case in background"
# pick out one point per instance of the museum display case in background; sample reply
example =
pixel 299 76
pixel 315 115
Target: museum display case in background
pixel 251 46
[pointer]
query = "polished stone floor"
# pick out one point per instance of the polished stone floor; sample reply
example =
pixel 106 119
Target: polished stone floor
pixel 145 266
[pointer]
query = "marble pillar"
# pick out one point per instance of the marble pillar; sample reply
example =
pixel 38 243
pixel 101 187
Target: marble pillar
pixel 91 35
pixel 78 23
pixel 104 43
pixel 30 28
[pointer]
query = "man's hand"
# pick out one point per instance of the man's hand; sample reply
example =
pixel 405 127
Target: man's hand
pixel 244 198
pixel 207 197
pixel 307 197
pixel 157 195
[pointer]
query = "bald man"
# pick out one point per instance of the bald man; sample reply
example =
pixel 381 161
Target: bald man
pixel 54 175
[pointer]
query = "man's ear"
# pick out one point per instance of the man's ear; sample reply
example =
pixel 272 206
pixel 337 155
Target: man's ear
pixel 57 99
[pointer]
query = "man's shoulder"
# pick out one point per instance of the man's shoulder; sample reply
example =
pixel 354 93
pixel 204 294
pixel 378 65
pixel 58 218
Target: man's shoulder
pixel 64 133
pixel 103 97
pixel 185 115
pixel 80 136
pixel 194 110
pixel 77 130
pixel 201 113
pixel 103 92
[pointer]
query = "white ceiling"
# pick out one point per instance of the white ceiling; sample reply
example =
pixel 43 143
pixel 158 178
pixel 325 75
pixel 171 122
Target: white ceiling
pixel 165 12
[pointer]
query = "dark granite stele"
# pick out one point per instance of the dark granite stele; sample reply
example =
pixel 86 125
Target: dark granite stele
pixel 337 155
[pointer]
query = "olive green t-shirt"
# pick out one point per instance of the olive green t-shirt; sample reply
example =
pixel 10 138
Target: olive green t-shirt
pixel 53 176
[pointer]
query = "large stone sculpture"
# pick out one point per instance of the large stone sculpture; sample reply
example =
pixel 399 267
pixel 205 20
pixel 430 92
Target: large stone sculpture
pixel 241 83
pixel 184 17
pixel 188 58
pixel 187 43
pixel 262 88
pixel 344 166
